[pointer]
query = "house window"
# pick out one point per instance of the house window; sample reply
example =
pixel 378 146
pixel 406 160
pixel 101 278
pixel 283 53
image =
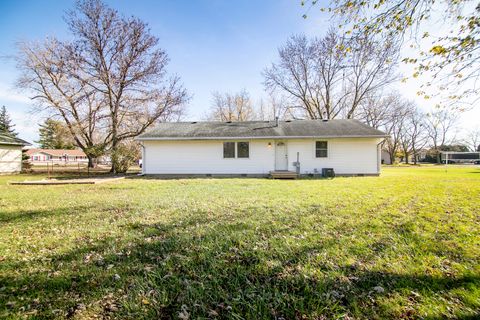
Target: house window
pixel 229 149
pixel 243 149
pixel 236 149
pixel 321 149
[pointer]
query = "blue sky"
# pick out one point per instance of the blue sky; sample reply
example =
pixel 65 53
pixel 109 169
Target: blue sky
pixel 213 45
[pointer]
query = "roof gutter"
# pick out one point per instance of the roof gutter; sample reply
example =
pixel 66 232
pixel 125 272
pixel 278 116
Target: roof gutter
pixel 22 144
pixel 255 138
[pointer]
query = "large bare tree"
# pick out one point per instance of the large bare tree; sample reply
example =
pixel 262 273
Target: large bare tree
pixel 371 68
pixel 45 73
pixel 114 66
pixel 331 76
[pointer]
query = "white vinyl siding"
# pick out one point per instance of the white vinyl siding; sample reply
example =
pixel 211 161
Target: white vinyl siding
pixel 345 156
pixel 10 159
pixel 206 157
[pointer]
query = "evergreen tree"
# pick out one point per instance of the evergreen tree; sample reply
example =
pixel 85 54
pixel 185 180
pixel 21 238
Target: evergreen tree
pixel 55 135
pixel 6 126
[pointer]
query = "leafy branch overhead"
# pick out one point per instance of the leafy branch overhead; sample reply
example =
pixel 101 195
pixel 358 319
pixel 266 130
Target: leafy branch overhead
pixel 451 58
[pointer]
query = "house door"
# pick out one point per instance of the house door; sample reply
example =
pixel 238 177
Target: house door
pixel 281 158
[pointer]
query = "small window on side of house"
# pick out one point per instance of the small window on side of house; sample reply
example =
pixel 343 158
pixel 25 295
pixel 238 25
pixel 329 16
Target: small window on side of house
pixel 229 149
pixel 321 149
pixel 243 150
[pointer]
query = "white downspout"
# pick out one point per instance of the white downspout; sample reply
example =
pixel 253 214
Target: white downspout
pixel 379 156
pixel 143 159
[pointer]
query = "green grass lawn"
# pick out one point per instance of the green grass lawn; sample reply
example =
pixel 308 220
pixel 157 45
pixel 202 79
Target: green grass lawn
pixel 402 245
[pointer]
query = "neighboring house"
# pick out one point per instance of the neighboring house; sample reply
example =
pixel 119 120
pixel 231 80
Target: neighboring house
pixel 257 148
pixel 56 156
pixel 11 153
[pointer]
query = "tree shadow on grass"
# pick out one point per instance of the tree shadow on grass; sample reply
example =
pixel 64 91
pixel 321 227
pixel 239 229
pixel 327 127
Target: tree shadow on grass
pixel 208 268
pixel 29 215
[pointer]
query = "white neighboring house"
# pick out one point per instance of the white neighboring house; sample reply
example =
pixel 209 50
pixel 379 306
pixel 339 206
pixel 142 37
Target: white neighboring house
pixel 56 156
pixel 11 153
pixel 258 148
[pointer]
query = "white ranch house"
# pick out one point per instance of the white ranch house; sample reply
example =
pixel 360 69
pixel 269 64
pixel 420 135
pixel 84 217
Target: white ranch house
pixel 260 148
pixel 56 156
pixel 11 153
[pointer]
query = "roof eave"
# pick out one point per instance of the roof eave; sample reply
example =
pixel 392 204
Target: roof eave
pixel 258 138
pixel 22 144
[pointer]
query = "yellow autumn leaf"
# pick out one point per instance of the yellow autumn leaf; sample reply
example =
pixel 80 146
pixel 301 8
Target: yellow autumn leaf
pixel 438 50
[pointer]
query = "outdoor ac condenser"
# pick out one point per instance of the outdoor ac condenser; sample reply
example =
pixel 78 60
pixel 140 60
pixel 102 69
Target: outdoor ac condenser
pixel 328 173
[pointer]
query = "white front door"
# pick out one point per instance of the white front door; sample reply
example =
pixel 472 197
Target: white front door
pixel 281 158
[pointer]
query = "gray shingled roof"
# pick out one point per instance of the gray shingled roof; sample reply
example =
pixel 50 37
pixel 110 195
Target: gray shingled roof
pixel 261 129
pixel 11 140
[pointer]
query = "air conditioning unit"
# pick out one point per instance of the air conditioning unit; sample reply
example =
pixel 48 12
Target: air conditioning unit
pixel 328 173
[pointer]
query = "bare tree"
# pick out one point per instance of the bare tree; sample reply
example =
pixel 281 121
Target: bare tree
pixel 473 139
pixel 276 106
pixel 371 68
pixel 330 77
pixel 113 64
pixel 307 75
pixel 232 107
pixel 45 73
pixel 439 126
pixel 394 125
pixel 413 136
pixel 377 110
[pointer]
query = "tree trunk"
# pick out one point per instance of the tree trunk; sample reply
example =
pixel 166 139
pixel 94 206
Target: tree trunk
pixel 114 156
pixel 113 153
pixel 439 160
pixel 90 162
pixel 406 158
pixel 392 157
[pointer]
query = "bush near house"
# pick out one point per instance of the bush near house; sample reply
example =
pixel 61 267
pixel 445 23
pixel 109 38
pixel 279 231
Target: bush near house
pixel 403 245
